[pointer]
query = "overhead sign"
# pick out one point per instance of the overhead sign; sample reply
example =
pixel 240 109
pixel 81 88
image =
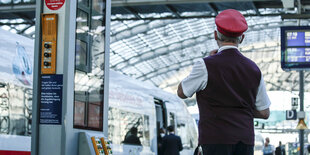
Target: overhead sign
pixel 54 4
pixel 291 115
pixel 294 102
pixel 51 99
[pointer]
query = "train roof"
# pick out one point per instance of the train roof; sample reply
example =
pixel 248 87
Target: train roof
pixel 16 53
pixel 118 79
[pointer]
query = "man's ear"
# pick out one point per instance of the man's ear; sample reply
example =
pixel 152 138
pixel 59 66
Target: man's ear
pixel 242 37
pixel 215 35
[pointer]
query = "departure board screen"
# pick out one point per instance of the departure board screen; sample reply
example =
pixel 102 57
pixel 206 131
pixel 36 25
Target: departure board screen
pixel 295 48
pixel 298 55
pixel 298 38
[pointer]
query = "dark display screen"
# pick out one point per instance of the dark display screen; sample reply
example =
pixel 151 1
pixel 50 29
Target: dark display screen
pixel 295 48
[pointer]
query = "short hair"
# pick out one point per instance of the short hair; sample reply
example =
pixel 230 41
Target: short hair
pixel 221 37
pixel 133 130
pixel 170 128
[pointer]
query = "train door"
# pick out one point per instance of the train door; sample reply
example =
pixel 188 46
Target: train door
pixel 161 122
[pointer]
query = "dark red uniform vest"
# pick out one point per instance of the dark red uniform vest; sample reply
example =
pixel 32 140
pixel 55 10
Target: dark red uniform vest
pixel 226 105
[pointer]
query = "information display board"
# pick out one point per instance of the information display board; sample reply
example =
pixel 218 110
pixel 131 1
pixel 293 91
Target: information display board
pixel 295 48
pixel 51 99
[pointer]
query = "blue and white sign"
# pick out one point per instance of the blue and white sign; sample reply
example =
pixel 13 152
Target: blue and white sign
pixel 51 99
pixel 291 115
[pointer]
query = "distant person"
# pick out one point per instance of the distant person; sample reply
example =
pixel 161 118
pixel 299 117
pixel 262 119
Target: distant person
pixel 268 148
pixel 230 91
pixel 131 137
pixel 172 144
pixel 308 149
pixel 198 150
pixel 160 136
pixel 280 150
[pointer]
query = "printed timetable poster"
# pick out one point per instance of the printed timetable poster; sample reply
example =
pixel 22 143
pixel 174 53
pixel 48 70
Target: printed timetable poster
pixel 51 99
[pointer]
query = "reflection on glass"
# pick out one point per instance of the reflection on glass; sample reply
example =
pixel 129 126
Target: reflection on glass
pixel 15 110
pixel 28 1
pixel 16 1
pixel 98 6
pixel 81 21
pixel 94 118
pixel 79 113
pixel 84 2
pixel 80 54
pixel 5 1
pixel 89 68
pixel 128 127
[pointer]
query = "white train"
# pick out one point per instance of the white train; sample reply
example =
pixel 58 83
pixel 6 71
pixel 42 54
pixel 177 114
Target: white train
pixel 133 104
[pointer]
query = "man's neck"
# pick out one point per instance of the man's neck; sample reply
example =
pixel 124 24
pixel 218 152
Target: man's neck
pixel 227 44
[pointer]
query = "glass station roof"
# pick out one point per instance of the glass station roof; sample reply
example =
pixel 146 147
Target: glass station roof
pixel 159 43
pixel 162 52
pixel 17 16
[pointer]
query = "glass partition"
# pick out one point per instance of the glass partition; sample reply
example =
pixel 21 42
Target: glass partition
pixel 89 64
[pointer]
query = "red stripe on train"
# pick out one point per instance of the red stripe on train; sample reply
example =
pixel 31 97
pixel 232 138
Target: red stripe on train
pixel 5 152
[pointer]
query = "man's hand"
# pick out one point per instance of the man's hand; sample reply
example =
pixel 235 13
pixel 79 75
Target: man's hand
pixel 213 52
pixel 180 92
pixel 264 114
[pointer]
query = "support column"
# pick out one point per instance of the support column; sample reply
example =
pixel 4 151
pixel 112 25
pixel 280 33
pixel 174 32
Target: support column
pixel 301 98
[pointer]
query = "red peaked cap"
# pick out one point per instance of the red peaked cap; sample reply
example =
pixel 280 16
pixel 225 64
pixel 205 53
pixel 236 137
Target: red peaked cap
pixel 231 23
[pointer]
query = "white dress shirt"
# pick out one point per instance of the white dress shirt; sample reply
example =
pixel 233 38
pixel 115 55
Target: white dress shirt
pixel 198 80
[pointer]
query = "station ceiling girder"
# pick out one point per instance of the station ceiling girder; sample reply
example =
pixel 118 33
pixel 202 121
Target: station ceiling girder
pixel 157 41
pixel 17 8
pixel 164 2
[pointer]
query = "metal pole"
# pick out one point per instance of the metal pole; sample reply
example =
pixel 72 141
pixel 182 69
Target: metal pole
pixel 301 97
pixel 106 67
pixel 301 92
pixel 36 82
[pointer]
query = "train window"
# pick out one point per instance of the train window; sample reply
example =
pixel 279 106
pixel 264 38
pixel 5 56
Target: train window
pixel 159 116
pixel 183 132
pixel 89 65
pixel 171 119
pixel 186 130
pixel 4 111
pixel 15 110
pixel 128 127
